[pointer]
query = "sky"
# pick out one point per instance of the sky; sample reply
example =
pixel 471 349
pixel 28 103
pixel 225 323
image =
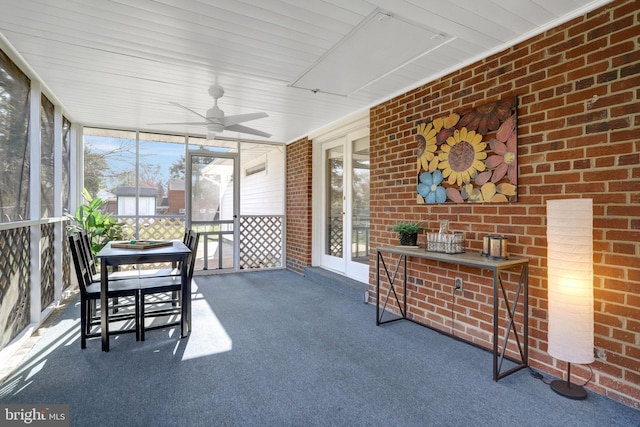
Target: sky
pixel 155 153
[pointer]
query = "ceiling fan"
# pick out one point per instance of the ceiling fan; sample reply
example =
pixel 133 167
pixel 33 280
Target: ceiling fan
pixel 215 120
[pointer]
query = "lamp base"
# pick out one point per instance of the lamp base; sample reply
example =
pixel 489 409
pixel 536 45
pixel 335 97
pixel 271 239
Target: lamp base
pixel 570 390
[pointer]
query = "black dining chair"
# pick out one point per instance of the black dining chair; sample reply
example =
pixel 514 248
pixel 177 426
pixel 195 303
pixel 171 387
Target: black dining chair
pixel 90 294
pixel 158 287
pixel 87 252
pixel 90 259
pixel 174 270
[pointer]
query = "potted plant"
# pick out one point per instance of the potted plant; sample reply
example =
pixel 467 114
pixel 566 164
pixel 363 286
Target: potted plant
pixel 408 232
pixel 101 226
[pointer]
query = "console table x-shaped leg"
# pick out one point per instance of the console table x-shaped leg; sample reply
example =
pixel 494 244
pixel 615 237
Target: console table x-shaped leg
pixel 519 299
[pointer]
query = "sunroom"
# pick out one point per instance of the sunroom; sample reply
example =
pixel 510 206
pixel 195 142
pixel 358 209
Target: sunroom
pixel 294 137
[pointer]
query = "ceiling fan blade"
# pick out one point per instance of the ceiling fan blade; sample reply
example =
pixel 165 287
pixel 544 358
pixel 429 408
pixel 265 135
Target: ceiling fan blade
pixel 245 129
pixel 184 123
pixel 188 109
pixel 239 118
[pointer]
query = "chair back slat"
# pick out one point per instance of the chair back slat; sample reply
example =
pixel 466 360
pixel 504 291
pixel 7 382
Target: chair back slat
pixel 87 253
pixel 194 238
pixel 190 239
pixel 83 273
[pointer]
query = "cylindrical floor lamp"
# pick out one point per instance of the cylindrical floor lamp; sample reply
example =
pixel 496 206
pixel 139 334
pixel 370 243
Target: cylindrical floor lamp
pixel 570 287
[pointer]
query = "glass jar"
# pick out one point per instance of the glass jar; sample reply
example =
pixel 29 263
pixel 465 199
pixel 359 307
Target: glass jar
pixel 444 226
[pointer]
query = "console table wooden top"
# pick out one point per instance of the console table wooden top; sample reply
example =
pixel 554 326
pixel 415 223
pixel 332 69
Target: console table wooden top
pixel 472 259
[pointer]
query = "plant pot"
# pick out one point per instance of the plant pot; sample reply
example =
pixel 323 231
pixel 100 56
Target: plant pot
pixel 408 239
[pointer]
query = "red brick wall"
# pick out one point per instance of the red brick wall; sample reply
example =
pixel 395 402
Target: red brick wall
pixel 298 233
pixel 579 136
pixel 176 201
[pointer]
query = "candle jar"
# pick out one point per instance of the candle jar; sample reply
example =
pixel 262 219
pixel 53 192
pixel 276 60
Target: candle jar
pixel 486 240
pixel 498 247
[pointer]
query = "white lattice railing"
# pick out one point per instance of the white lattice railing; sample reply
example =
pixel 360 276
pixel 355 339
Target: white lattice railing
pixel 261 240
pixel 153 227
pixel 26 294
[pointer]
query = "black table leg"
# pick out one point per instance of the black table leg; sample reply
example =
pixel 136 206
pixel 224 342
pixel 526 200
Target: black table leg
pixel 186 301
pixel 104 312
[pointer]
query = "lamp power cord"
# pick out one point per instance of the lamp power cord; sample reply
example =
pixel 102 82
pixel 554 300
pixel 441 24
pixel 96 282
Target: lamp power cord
pixel 537 375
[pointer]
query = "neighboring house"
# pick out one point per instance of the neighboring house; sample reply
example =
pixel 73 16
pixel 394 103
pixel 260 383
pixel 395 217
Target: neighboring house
pixel 111 205
pixel 126 201
pixel 176 197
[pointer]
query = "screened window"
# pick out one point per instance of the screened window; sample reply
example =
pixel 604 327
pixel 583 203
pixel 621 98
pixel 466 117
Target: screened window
pixel 162 168
pixel 14 143
pixel 46 158
pixel 109 163
pixel 141 177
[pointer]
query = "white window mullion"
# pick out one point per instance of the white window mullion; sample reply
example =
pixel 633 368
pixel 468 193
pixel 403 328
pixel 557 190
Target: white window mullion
pixel 76 168
pixel 60 229
pixel 35 157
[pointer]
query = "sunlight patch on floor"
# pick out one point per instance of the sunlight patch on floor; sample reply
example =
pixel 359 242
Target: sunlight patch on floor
pixel 208 336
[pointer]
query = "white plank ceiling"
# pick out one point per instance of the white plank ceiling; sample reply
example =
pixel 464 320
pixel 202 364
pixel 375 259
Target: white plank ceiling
pixel 119 63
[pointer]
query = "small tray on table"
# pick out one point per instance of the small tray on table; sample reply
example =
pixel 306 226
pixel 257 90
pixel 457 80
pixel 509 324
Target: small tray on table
pixel 141 244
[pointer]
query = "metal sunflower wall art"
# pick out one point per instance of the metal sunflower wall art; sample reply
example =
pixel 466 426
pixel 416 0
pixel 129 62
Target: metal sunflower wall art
pixel 470 156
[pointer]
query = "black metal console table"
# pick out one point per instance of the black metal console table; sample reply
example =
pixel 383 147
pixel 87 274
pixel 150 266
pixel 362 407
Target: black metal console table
pixel 471 260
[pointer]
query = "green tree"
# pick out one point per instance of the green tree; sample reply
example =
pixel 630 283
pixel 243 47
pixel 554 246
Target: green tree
pixel 95 165
pixel 177 169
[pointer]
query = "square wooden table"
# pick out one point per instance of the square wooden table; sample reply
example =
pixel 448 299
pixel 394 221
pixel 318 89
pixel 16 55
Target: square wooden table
pixel 109 256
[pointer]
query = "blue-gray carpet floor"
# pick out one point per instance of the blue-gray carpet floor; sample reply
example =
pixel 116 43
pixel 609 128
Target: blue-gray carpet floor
pixel 275 349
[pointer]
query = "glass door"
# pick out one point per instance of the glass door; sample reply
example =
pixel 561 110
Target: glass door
pixel 346 205
pixel 212 208
pixel 358 263
pixel 334 206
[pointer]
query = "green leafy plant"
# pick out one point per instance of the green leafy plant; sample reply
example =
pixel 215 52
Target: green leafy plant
pixel 408 227
pixel 408 232
pixel 101 227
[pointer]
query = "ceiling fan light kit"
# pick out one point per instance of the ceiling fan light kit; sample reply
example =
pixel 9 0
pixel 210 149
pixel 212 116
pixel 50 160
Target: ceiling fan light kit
pixel 215 120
